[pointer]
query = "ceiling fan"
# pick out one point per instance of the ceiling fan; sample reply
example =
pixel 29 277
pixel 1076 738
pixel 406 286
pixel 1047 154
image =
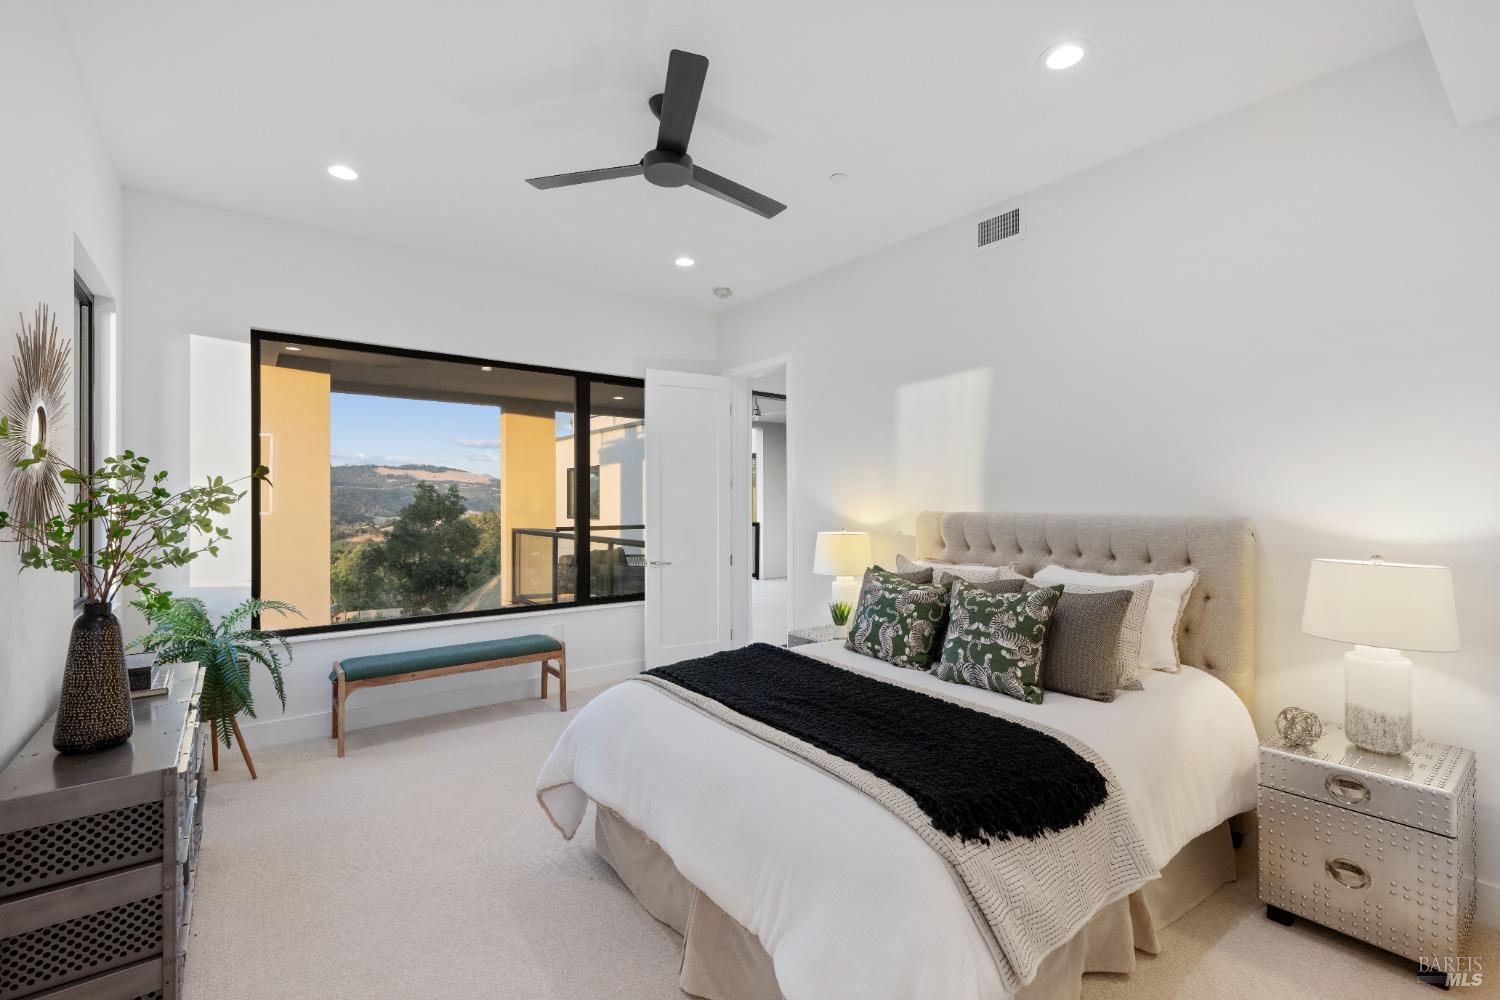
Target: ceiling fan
pixel 669 165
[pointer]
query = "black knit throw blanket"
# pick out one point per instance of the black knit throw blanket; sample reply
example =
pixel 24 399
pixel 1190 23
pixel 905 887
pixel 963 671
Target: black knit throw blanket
pixel 976 775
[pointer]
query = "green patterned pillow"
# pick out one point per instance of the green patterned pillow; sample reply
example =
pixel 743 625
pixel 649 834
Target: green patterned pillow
pixel 995 640
pixel 897 620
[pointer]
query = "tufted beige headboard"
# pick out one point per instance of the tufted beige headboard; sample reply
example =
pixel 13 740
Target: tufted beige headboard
pixel 1218 627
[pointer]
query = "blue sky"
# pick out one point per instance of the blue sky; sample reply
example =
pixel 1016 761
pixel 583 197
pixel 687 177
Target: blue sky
pixel 379 430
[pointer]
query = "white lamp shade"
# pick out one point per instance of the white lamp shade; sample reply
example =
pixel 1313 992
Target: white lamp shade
pixel 842 553
pixel 1370 602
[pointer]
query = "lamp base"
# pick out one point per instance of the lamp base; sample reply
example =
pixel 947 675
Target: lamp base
pixel 1377 699
pixel 846 591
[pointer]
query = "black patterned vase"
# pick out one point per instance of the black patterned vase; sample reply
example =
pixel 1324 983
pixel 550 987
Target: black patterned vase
pixel 93 712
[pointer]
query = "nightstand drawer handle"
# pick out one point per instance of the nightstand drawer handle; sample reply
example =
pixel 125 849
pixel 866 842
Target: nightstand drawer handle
pixel 1347 789
pixel 1347 873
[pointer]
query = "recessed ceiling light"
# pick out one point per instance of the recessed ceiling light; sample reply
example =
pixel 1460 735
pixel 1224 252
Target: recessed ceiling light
pixel 723 293
pixel 619 397
pixel 486 368
pixel 343 173
pixel 684 262
pixel 838 177
pixel 1065 55
pixel 292 347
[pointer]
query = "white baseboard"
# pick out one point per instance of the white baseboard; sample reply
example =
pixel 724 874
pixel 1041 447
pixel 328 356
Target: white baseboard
pixel 402 702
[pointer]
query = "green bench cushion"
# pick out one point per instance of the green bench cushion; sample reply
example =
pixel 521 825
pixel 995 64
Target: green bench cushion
pixel 363 668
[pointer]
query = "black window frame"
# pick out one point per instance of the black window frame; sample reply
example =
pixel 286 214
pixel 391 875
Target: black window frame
pixel 84 443
pixel 582 422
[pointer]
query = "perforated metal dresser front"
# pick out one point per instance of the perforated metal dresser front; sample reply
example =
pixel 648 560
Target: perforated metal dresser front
pixel 1408 887
pixel 74 848
pixel 74 949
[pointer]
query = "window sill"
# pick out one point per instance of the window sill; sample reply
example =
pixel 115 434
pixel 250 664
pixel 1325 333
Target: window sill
pixel 377 630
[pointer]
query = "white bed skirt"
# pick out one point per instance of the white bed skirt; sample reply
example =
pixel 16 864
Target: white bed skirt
pixel 724 961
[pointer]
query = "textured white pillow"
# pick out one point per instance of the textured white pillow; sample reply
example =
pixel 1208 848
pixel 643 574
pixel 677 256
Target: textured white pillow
pixel 1169 597
pixel 967 572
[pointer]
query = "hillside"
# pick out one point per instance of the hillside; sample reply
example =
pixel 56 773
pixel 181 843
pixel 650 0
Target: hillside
pixel 364 494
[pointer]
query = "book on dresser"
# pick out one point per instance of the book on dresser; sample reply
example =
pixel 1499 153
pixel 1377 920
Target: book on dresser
pixel 98 857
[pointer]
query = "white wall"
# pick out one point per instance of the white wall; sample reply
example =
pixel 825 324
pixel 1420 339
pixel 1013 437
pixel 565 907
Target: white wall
pixel 60 209
pixel 1290 313
pixel 202 278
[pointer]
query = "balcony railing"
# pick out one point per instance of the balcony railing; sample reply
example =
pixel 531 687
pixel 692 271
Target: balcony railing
pixel 544 564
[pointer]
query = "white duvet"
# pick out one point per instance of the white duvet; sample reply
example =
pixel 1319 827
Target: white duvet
pixel 847 899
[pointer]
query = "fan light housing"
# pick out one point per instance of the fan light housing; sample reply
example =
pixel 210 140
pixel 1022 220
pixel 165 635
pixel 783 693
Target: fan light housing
pixel 1065 55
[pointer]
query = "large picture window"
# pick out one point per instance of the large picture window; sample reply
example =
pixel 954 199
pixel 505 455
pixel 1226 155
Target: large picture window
pixel 406 485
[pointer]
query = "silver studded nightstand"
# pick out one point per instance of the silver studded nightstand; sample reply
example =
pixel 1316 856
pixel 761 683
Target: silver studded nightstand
pixel 815 633
pixel 1382 848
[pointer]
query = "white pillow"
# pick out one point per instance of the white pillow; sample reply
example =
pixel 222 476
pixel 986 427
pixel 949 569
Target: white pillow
pixel 967 572
pixel 1169 597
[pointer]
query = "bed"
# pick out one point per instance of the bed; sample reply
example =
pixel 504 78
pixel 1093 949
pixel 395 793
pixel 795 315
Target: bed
pixel 787 883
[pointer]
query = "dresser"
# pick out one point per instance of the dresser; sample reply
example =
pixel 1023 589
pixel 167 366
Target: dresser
pixel 815 633
pixel 1380 847
pixel 98 855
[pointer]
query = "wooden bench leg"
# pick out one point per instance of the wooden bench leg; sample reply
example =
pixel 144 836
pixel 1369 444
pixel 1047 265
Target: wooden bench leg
pixel 333 710
pixel 343 709
pixel 556 666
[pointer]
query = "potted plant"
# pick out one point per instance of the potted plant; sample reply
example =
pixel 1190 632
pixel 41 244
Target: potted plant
pixel 182 631
pixel 140 527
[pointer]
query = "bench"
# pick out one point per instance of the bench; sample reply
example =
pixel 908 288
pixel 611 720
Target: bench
pixel 440 661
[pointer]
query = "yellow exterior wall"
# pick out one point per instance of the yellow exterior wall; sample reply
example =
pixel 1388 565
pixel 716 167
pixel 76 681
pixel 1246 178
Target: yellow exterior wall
pixel 528 450
pixel 295 547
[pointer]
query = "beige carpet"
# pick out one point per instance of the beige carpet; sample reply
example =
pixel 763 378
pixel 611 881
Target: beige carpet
pixel 421 866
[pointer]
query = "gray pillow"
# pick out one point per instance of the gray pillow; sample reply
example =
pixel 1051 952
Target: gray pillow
pixel 1078 655
pixel 1132 633
pixel 1003 585
pixel 967 572
pixel 910 573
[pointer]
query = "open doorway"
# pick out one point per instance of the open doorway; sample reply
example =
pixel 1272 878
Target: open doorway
pixel 768 508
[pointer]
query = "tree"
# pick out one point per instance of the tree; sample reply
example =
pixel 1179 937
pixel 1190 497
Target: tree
pixel 430 554
pixel 359 579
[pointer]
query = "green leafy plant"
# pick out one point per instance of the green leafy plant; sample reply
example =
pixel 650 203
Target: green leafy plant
pixel 840 611
pixel 182 631
pixel 142 525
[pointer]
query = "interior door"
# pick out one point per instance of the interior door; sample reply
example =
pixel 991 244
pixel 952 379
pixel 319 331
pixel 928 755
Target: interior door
pixel 688 515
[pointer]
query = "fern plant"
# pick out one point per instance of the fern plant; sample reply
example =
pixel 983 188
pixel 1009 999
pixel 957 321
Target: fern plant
pixel 840 610
pixel 182 631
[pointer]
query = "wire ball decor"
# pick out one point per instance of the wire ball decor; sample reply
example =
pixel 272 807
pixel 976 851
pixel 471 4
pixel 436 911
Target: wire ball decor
pixel 1298 727
pixel 37 407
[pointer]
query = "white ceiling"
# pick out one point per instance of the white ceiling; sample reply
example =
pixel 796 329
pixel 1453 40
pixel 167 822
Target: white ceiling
pixel 935 110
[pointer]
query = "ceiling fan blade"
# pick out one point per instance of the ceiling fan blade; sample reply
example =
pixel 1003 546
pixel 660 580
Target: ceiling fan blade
pixel 735 194
pixel 584 177
pixel 679 100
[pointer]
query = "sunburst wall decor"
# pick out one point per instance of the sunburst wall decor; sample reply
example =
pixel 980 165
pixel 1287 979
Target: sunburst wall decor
pixel 37 406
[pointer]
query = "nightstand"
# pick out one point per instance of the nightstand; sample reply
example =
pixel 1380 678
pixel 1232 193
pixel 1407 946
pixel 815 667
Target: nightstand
pixel 1379 847
pixel 815 633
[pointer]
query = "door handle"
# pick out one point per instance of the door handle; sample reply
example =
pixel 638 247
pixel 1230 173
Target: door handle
pixel 1347 789
pixel 1347 873
pixel 657 562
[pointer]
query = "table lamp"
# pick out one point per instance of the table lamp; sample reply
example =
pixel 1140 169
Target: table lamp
pixel 1382 608
pixel 843 555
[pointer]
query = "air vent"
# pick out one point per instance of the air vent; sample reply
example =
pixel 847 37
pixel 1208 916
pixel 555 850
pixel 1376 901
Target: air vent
pixel 994 230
